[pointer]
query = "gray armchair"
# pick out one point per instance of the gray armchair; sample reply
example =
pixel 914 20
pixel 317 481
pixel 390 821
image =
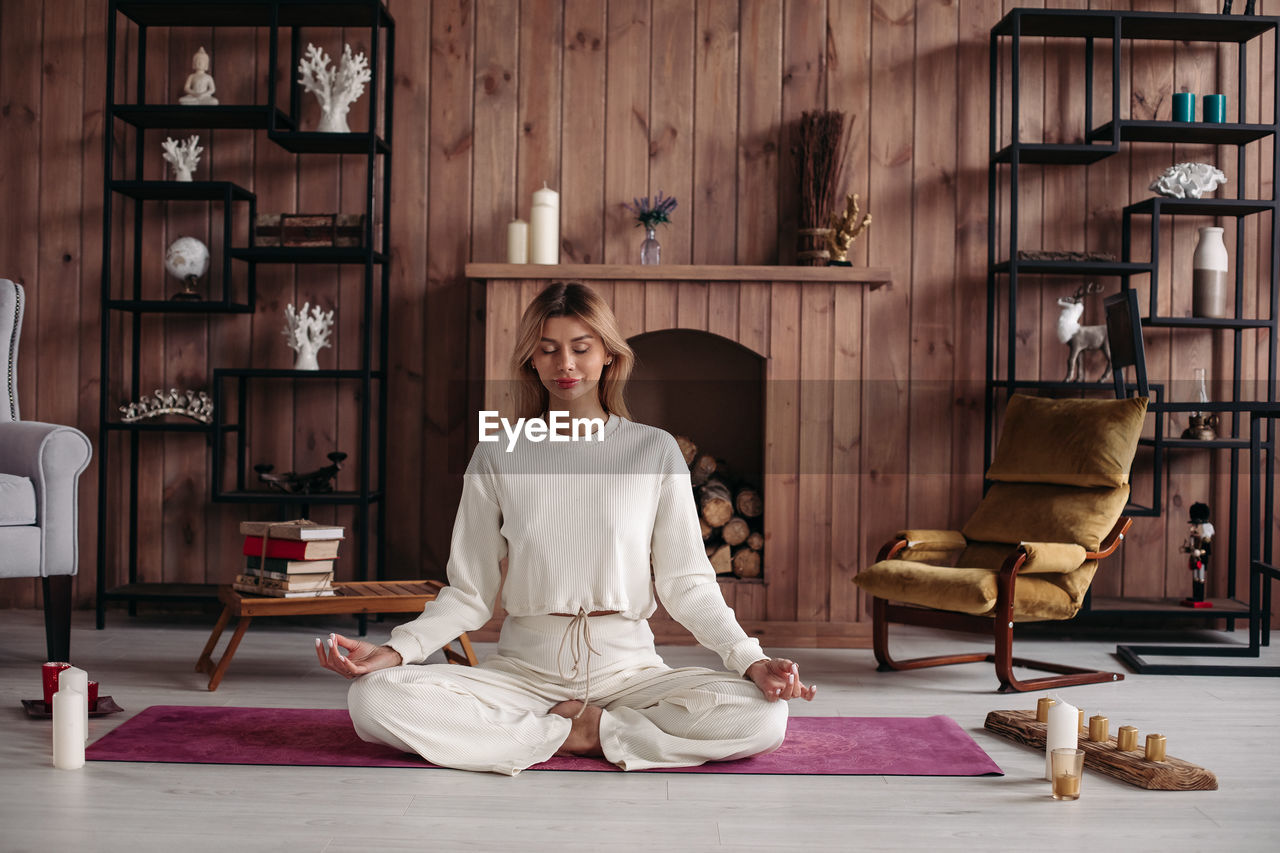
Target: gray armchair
pixel 40 467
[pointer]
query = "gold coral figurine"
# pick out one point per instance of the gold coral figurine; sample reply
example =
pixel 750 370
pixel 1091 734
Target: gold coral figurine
pixel 845 228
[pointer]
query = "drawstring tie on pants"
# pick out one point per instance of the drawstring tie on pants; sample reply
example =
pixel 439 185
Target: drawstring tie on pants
pixel 578 636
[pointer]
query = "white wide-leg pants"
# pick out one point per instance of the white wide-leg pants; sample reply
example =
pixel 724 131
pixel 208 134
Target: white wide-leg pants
pixel 494 716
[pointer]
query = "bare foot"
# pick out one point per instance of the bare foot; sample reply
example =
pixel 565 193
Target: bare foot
pixel 584 737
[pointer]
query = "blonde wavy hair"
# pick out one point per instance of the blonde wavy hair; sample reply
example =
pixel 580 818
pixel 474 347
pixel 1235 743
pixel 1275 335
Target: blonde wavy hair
pixel 569 299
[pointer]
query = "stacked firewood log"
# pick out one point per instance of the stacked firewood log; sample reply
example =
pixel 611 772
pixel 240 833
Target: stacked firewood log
pixel 730 513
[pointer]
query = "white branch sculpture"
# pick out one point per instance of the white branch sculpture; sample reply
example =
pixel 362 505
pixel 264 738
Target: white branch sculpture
pixel 336 88
pixel 184 156
pixel 307 332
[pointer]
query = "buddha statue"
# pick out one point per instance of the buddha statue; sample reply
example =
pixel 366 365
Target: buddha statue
pixel 199 87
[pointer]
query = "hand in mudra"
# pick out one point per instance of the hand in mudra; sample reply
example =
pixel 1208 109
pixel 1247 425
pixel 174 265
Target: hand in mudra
pixel 779 678
pixel 361 657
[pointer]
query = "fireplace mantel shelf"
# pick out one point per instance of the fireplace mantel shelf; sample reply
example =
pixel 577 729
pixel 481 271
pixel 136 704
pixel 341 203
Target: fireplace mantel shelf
pixel 871 277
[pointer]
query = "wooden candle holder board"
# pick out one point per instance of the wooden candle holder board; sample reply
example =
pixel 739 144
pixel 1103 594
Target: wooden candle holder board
pixel 1172 774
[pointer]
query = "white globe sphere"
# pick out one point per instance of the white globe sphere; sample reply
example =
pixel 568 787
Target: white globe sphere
pixel 185 257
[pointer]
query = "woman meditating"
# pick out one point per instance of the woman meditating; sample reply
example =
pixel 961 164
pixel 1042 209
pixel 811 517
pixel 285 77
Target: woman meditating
pixel 590 526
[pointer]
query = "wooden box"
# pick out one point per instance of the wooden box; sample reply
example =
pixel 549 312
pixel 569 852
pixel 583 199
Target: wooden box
pixel 309 229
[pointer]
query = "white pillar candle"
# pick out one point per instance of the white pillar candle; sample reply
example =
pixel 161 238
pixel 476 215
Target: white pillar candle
pixel 70 708
pixel 75 678
pixel 1062 732
pixel 518 242
pixel 544 227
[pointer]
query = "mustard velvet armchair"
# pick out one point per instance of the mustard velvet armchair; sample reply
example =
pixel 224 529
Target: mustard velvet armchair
pixel 1059 482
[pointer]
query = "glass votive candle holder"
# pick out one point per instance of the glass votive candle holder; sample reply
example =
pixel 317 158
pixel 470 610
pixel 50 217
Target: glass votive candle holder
pixel 1127 738
pixel 1042 709
pixel 93 696
pixel 49 679
pixel 1067 766
pixel 1155 747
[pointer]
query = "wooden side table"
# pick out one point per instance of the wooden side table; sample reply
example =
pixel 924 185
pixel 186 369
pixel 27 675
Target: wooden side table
pixel 350 598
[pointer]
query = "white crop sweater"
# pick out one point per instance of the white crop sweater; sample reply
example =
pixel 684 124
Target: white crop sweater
pixel 578 522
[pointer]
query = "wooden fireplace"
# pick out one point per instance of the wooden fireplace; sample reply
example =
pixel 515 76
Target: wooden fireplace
pixel 806 326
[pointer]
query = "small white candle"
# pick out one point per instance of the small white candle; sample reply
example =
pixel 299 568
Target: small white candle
pixel 518 242
pixel 544 227
pixel 1062 732
pixel 70 708
pixel 75 678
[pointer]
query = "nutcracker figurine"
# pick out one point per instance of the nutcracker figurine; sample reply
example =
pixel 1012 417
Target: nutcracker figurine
pixel 1198 546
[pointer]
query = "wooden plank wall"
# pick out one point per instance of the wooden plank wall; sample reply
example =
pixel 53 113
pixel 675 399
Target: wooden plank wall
pixel 606 101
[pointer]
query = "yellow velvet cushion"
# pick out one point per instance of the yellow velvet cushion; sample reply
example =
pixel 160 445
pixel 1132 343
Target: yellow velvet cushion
pixel 931 546
pixel 940 587
pixel 985 555
pixel 1042 557
pixel 1051 596
pixel 1072 442
pixel 1051 558
pixel 973 591
pixel 1032 512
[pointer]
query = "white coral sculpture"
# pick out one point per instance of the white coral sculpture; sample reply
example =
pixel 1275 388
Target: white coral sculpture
pixel 1188 180
pixel 336 88
pixel 307 331
pixel 183 156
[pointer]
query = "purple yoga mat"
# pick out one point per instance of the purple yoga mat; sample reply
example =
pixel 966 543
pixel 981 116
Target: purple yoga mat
pixel 849 746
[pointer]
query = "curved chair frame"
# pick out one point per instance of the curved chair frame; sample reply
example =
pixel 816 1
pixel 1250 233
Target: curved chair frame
pixel 999 623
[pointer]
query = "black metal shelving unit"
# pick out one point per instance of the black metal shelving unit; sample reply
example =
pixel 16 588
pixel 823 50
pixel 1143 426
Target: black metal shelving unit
pixel 238 263
pixel 1251 429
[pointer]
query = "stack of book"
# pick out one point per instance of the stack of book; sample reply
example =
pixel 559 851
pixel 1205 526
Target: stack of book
pixel 298 562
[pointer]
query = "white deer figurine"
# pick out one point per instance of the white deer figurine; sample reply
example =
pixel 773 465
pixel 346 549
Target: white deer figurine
pixel 1080 338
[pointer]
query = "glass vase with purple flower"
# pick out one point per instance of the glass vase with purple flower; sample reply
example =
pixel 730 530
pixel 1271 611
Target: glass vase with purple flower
pixel 649 215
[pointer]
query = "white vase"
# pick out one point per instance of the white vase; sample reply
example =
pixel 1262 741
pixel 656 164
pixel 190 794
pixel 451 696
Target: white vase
pixel 1209 275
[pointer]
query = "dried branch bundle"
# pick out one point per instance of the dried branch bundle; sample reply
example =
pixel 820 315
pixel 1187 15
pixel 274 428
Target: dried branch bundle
pixel 820 153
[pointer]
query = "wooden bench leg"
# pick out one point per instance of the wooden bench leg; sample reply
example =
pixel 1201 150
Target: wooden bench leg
pixel 205 663
pixel 467 658
pixel 232 645
pixel 465 642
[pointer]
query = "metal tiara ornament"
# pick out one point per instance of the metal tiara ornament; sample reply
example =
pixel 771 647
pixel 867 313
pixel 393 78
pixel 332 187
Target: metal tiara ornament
pixel 196 405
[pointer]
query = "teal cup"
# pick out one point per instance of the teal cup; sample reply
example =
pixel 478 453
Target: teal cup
pixel 1184 106
pixel 1215 109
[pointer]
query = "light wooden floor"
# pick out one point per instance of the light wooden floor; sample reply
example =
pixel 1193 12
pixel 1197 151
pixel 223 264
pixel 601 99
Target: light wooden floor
pixel 1226 724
